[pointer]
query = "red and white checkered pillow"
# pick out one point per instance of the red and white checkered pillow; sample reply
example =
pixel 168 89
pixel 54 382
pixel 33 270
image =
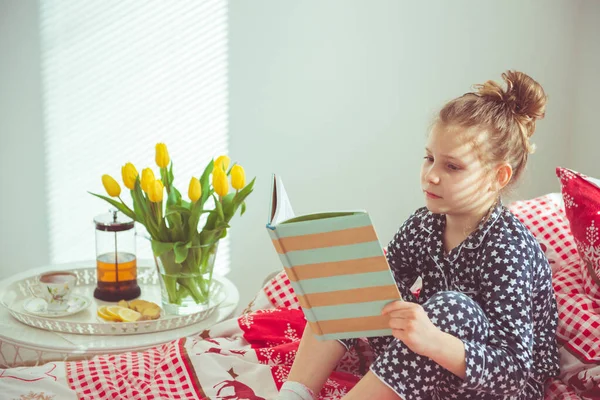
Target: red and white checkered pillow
pixel 279 292
pixel 545 217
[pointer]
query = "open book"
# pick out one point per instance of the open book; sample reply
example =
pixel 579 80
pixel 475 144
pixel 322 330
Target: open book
pixel 336 266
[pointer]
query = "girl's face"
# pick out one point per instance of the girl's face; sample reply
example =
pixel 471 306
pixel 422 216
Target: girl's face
pixel 454 179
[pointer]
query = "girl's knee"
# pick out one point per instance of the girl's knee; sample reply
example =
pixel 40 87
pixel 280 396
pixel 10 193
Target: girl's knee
pixel 453 301
pixel 457 314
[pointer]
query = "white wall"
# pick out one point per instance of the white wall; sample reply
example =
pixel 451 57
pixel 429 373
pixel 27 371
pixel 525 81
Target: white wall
pixel 585 132
pixel 23 218
pixel 334 96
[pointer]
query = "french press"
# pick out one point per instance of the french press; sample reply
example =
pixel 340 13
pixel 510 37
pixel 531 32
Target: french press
pixel 116 264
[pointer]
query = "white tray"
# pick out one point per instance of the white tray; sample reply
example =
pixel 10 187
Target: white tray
pixel 87 322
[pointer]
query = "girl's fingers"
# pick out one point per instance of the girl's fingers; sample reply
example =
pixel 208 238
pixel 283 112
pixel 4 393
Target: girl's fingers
pixel 404 314
pixel 397 324
pixel 398 334
pixel 398 305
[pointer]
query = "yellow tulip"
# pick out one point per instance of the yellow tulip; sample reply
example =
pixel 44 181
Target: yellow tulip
pixel 147 179
pixel 162 155
pixel 195 190
pixel 223 162
pixel 220 182
pixel 156 191
pixel 112 187
pixel 129 174
pixel 238 177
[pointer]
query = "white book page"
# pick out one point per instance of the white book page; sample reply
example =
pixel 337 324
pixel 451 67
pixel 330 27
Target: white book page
pixel 283 207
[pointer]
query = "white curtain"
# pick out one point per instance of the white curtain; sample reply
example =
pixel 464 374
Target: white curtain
pixel 119 77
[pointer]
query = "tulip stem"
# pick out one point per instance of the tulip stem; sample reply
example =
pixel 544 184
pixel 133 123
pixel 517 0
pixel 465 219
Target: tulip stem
pixel 122 202
pixel 165 172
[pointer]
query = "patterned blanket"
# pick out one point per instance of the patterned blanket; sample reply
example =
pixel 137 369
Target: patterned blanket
pixel 248 357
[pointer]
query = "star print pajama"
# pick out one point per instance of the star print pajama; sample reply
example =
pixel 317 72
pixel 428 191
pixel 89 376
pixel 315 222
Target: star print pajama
pixel 493 292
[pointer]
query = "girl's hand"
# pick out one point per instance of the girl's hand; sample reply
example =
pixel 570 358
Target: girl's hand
pixel 412 326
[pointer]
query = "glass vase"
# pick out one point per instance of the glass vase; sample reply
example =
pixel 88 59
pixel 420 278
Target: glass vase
pixel 186 286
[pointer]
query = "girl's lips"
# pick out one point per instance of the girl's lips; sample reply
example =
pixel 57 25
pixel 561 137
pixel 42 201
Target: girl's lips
pixel 431 195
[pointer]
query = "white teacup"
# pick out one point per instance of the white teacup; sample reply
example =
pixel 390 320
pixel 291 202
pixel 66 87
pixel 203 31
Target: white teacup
pixel 55 288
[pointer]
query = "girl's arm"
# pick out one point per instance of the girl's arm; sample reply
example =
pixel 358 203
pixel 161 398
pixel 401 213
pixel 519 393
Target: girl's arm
pixel 411 324
pixel 449 353
pixel 403 267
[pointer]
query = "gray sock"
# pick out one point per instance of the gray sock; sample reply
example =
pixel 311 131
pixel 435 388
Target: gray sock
pixel 291 390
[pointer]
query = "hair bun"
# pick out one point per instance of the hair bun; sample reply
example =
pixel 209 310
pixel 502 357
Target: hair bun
pixel 523 97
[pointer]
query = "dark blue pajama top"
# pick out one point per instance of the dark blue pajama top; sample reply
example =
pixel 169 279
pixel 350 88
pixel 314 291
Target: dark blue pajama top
pixel 501 267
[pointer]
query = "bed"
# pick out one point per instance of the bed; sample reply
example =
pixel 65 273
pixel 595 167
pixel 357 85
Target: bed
pixel 249 356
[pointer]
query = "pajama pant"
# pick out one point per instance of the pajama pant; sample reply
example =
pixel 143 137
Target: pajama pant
pixel 413 376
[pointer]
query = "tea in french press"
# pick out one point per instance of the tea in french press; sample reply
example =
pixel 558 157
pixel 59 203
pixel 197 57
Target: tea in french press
pixel 116 264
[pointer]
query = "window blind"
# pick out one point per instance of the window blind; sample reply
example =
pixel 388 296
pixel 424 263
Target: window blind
pixel 119 77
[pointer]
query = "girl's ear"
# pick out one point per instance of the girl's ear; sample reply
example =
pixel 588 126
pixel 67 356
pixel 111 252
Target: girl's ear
pixel 503 174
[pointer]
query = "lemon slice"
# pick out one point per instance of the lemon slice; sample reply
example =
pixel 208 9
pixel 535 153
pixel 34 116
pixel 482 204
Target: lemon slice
pixel 128 315
pixel 104 314
pixel 114 311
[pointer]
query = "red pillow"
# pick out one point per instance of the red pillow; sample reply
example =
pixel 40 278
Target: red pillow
pixel 581 195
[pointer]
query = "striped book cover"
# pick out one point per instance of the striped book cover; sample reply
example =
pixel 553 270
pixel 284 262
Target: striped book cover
pixel 337 268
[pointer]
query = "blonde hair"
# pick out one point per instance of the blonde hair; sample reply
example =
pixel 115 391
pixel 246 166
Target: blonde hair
pixel 507 114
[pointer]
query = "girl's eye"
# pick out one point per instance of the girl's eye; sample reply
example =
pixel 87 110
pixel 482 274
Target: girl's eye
pixel 428 158
pixel 453 167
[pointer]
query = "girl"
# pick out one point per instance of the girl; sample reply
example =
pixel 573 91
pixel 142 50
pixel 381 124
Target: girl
pixel 483 325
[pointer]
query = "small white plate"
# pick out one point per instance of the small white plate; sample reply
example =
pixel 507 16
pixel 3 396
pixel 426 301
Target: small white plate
pixel 39 307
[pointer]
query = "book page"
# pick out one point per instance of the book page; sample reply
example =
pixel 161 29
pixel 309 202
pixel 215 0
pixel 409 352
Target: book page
pixel 281 208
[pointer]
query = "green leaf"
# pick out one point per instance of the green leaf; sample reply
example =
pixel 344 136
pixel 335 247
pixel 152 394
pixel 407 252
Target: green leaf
pixel 195 217
pixel 181 251
pixel 239 199
pixel 186 204
pixel 231 167
pixel 219 208
pixel 210 222
pixel 208 235
pixel 164 177
pixel 160 248
pixel 242 194
pixel 243 208
pixel 204 182
pixel 174 218
pixel 142 208
pixel 175 209
pixel 174 198
pixel 171 173
pixel 137 208
pixel 120 206
pixel 139 203
pixel 229 206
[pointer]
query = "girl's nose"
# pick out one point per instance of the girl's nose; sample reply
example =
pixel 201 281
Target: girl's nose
pixel 432 177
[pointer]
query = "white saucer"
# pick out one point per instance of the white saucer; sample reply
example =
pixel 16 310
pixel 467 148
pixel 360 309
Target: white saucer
pixel 39 307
